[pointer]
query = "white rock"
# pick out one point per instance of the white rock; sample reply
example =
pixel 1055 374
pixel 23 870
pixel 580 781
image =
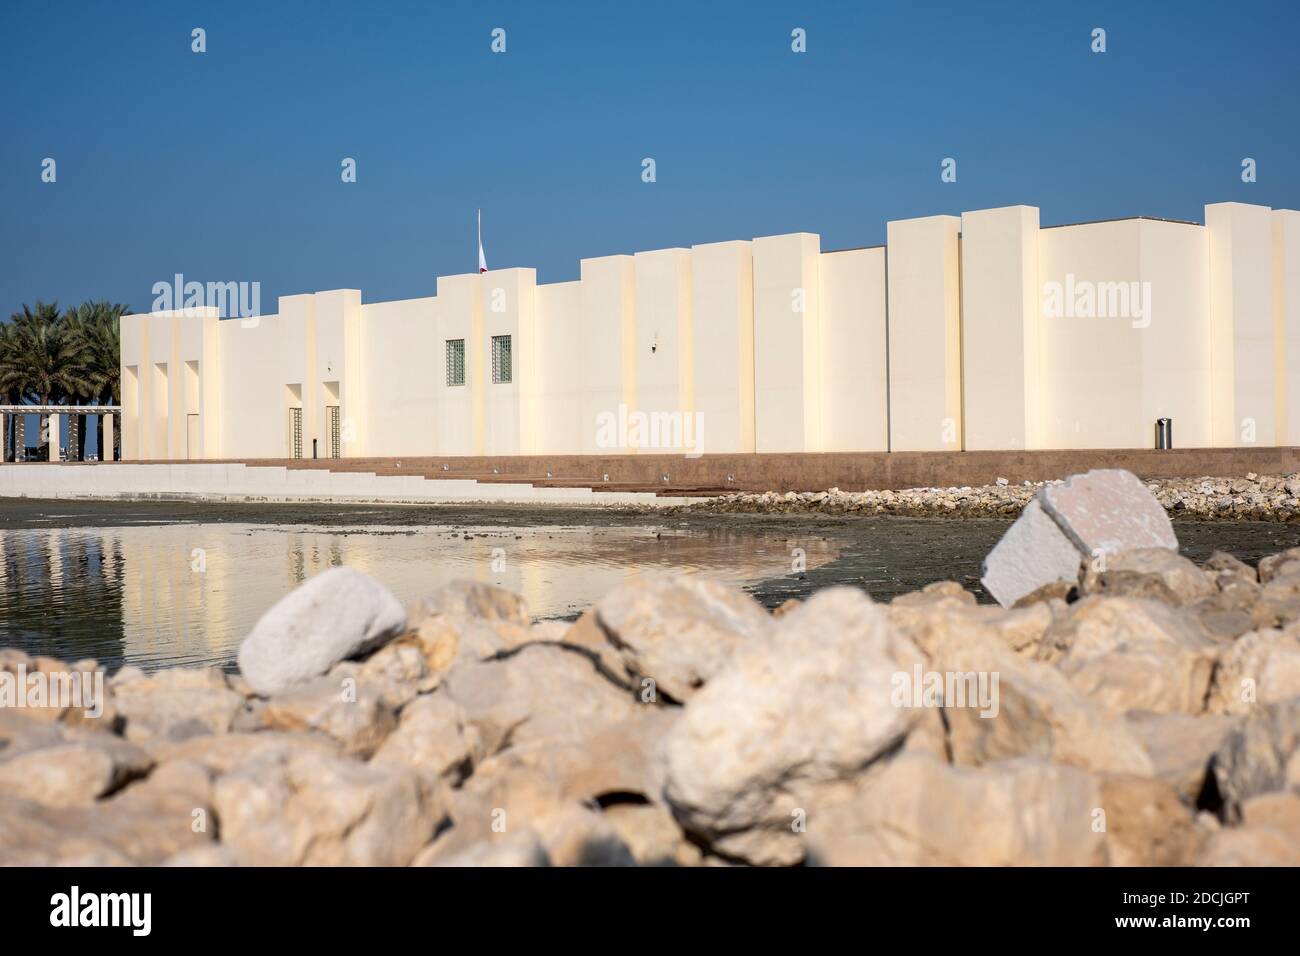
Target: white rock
pixel 1033 552
pixel 338 614
pixel 808 707
pixel 1102 511
pixel 678 630
pixel 1108 510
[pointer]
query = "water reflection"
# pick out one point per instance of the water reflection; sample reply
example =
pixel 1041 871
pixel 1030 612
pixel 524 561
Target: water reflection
pixel 188 593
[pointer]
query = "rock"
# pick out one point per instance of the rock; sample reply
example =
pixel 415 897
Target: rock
pixel 1227 615
pixel 175 703
pixel 588 637
pixel 209 855
pixel 221 754
pixel 1278 603
pixel 1157 573
pixel 1261 667
pixel 1107 511
pixel 1283 564
pixel 921 812
pixel 579 836
pixel 652 835
pixel 1249 846
pixel 1146 823
pixel 786 606
pixel 505 797
pixel 1062 590
pixel 310 809
pixel 1032 710
pixel 615 760
pixel 810 705
pixel 1133 654
pixel 473 599
pixel 353 714
pixel 435 739
pixel 445 640
pixel 1259 756
pixel 1022 628
pixel 938 591
pixel 1033 554
pixel 145 823
pixel 1280 811
pixel 46 689
pixel 1180 746
pixel 1100 512
pixel 338 614
pixel 543 693
pixel 399 672
pixel 75 771
pixel 678 630
pixel 1038 713
pixel 517 848
pixel 1224 565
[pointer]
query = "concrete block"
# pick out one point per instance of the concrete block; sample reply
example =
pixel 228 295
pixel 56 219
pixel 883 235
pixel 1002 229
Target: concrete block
pixel 1033 552
pixel 1100 512
pixel 1108 510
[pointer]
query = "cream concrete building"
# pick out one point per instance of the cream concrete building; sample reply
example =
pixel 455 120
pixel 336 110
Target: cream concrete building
pixel 979 331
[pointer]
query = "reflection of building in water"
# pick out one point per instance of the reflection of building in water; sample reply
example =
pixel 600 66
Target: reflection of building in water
pixel 190 593
pixel 192 590
pixel 60 594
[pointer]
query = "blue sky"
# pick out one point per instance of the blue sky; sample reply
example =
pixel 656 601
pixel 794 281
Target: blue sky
pixel 224 166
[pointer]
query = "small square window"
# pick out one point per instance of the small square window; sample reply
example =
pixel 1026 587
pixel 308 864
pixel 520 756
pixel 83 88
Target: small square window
pixel 501 359
pixel 455 361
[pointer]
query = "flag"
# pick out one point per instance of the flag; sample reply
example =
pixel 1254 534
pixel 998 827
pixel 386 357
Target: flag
pixel 482 260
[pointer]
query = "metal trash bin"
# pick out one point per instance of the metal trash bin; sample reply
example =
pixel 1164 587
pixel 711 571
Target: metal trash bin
pixel 1164 433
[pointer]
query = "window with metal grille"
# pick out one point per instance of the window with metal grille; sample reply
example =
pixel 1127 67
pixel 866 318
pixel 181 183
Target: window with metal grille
pixel 500 359
pixel 295 432
pixel 332 414
pixel 455 361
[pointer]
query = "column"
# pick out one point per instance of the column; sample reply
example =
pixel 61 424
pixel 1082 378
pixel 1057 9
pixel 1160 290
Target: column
pixel 607 302
pixel 510 408
pixel 722 302
pixel 1000 317
pixel 1243 377
pixel 787 343
pixel 50 435
pixel 1286 305
pixel 461 412
pixel 106 449
pixel 924 334
pixel 855 380
pixel 665 370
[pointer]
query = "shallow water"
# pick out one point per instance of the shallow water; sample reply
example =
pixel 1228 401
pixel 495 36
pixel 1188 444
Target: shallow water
pixel 154 595
pixel 160 583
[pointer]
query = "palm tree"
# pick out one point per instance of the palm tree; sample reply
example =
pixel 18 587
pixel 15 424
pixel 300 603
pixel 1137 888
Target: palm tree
pixel 13 384
pixel 95 328
pixel 10 395
pixel 43 361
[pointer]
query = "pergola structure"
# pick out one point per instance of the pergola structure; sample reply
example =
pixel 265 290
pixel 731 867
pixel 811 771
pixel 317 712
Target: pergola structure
pixel 108 414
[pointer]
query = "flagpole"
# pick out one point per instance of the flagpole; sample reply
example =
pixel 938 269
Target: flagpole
pixel 482 262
